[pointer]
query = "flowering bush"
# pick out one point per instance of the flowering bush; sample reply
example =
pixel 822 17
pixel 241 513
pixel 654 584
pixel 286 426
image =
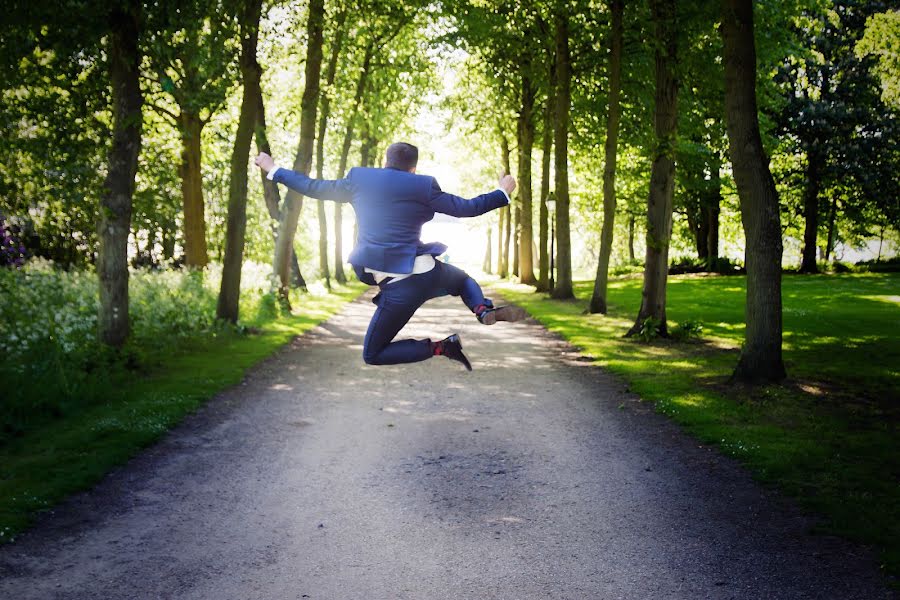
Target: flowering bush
pixel 12 252
pixel 50 356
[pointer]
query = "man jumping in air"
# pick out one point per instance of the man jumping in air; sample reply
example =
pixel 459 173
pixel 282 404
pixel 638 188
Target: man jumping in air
pixel 391 205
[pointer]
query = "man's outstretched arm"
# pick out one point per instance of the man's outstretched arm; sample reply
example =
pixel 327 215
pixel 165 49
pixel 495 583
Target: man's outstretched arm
pixel 338 190
pixel 456 206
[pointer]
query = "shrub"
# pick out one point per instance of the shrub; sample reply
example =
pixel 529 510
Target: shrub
pixel 890 265
pixel 687 330
pixel 649 330
pixel 52 362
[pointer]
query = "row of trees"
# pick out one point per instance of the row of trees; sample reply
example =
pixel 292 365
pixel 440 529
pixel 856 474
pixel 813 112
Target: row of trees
pixel 153 110
pixel 112 93
pixel 822 108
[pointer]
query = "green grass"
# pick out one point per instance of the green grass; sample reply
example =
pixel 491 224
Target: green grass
pixel 72 453
pixel 828 436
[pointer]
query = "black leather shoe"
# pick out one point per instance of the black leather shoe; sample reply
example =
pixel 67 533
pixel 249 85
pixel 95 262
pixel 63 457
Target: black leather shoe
pixel 452 348
pixel 504 313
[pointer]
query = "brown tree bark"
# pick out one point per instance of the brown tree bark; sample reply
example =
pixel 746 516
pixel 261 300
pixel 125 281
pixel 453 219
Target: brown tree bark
pixel 195 251
pixel 293 201
pixel 631 237
pixel 118 189
pixel 563 288
pixel 760 359
pixel 526 145
pixel 361 81
pixel 811 213
pixel 487 264
pixel 324 114
pixel 236 226
pixel 832 216
pixel 505 212
pixel 598 298
pixel 544 213
pixel 500 217
pixel 713 208
pixel 662 174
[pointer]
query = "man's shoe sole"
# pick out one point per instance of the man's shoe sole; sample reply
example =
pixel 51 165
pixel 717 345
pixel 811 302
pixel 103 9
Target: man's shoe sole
pixel 504 313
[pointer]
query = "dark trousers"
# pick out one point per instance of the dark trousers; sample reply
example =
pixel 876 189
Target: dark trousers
pixel 398 301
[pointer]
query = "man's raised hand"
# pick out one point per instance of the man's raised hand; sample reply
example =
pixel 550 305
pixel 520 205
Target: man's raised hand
pixel 507 184
pixel 267 163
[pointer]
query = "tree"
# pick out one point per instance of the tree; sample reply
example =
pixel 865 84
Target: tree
pixel 192 50
pixel 760 359
pixel 324 113
pixel 115 205
pixel 598 299
pixel 881 35
pixel 293 201
pixel 833 115
pixel 662 174
pixel 563 289
pixel 229 292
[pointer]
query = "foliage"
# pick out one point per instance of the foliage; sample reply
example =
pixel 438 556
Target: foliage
pixel 132 408
pixel 882 38
pixel 48 320
pixel 649 330
pixel 689 329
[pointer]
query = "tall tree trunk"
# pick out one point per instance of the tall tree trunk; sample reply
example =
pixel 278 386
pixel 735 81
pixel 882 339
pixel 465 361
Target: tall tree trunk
pixel 168 243
pixel 701 230
pixel 486 266
pixel 516 234
pixel 631 237
pixel 114 225
pixel 760 359
pixel 543 216
pixel 713 208
pixel 345 155
pixel 230 290
pixel 598 299
pixel 662 173
pixel 563 288
pixel 832 215
pixel 811 213
pixel 324 114
pixel 293 201
pixel 195 252
pixel 271 195
pixel 500 217
pixel 526 144
pixel 505 212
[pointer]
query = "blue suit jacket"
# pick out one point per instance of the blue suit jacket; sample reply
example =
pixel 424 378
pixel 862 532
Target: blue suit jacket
pixel 391 207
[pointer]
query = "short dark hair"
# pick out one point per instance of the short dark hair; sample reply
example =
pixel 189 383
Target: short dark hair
pixel 402 156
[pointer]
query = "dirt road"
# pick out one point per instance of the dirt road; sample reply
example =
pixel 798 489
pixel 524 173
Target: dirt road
pixel 535 476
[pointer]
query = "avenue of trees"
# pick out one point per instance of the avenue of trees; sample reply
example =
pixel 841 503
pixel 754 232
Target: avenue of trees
pixel 128 133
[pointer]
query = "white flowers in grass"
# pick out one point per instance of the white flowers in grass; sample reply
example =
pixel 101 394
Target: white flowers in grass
pixel 44 308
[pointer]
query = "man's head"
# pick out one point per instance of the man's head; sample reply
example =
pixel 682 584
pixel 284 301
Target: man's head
pixel 401 156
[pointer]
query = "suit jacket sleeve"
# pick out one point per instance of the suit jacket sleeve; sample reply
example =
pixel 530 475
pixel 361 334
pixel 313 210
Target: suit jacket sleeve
pixel 339 190
pixel 449 204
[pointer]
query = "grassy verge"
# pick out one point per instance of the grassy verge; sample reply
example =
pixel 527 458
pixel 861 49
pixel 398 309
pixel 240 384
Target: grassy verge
pixel 828 436
pixel 72 453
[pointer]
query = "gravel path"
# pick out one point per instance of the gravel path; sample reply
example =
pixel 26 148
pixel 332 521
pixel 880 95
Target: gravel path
pixel 535 476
